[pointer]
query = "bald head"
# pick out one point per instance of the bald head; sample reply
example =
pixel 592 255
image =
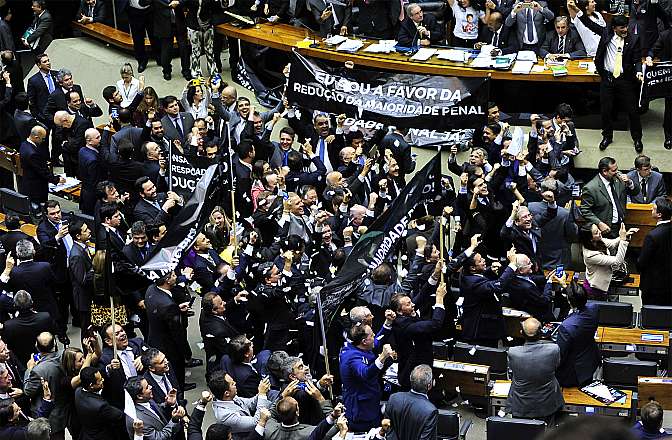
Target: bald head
pixel 45 342
pixel 91 134
pixel 63 119
pixel 229 95
pixel 37 134
pixel 531 328
pixel 334 178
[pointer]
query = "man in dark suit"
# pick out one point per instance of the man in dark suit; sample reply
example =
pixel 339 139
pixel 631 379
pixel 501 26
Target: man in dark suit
pixel 110 218
pixel 618 62
pixel 534 393
pixel 411 414
pixel 164 318
pixel 56 241
pixel 74 127
pixel 127 132
pixel 6 37
pixel 157 423
pixel 662 50
pixel 153 207
pixel 242 366
pixel 205 264
pixel 40 86
pixel 99 419
pixel 579 355
pixel 12 236
pixel 651 182
pixel 25 326
pixel 80 266
pixel 125 170
pixel 216 329
pixel 498 35
pixel 176 124
pixel 563 42
pixel 24 121
pixel 603 199
pixel 129 351
pixel 483 323
pixel 36 173
pixel 91 168
pixel 418 28
pixel 327 143
pixel 655 258
pixel 531 293
pixel 41 32
pixel 413 335
pixel 58 98
pixel 168 392
pixel 529 19
pixel 242 168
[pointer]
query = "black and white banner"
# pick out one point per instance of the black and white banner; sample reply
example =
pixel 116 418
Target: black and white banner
pixel 184 171
pixel 657 81
pixel 189 221
pixel 381 239
pixel 442 103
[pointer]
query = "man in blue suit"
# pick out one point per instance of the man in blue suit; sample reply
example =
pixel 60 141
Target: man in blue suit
pixel 297 177
pixel 360 369
pixel 482 320
pixel 579 356
pixel 651 182
pixel 40 86
pixel 411 414
pixel 91 169
pixel 655 258
pixel 205 264
pixel 36 173
pixel 531 293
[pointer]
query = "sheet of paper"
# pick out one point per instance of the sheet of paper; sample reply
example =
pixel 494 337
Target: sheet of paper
pixel 423 54
pixel 600 390
pixel 336 39
pixel 501 388
pixel 537 68
pixel 522 67
pixel 481 62
pixel 379 48
pixel 455 55
pixel 70 182
pixel 350 46
pixel 527 55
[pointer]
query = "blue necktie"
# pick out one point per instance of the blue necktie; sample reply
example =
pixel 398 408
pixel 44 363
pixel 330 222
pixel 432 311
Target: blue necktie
pixel 323 147
pixel 530 26
pixel 50 83
pixel 284 158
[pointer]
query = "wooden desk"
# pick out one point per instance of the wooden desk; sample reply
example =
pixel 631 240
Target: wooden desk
pixel 638 215
pixel 285 37
pixel 70 193
pixel 109 35
pixel 655 388
pixel 471 379
pixel 26 228
pixel 10 160
pixel 576 402
pixel 630 340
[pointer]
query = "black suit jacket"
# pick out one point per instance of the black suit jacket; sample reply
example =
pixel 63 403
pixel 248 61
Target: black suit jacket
pixel 579 355
pixel 24 122
pixel 216 333
pixel 20 331
pixel 80 266
pixel 159 395
pixel 631 50
pixel 243 188
pixel 74 136
pixel 99 419
pixel 166 331
pixel 36 173
pixel 573 45
pixel 53 249
pixel 531 296
pixel 662 49
pixel 58 101
pixel 654 263
pixel 38 94
pixel 149 213
pixel 408 31
pixel 205 272
pixel 506 42
pixel 37 278
pixel 247 379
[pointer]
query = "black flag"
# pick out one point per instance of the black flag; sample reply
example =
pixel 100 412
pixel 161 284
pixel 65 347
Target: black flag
pixel 381 239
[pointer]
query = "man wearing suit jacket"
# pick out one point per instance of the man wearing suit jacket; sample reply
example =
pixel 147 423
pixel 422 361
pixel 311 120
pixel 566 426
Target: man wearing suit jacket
pixel 418 28
pixel 531 293
pixel 563 42
pixel 176 125
pixel 618 62
pixel 25 326
pixel 42 29
pixel 216 329
pixel 205 264
pixel 164 318
pixel 535 392
pixel 91 168
pixel 496 34
pixel 80 266
pixel 242 366
pixel 655 258
pixel 530 23
pixel 558 234
pixel 413 335
pixel 168 393
pixel 242 168
pixel 483 323
pixel 411 414
pixel 99 419
pixel 36 173
pixel 74 127
pixel 651 182
pixel 603 199
pixel 24 121
pixel 163 12
pixel 153 207
pixel 157 423
pixel 579 355
pixel 58 98
pixel 662 50
pixel 327 142
pixel 40 86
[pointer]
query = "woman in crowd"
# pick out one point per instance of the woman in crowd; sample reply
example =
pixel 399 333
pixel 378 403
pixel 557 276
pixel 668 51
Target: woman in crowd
pixel 150 101
pixel 599 263
pixel 128 86
pixel 589 38
pixel 72 362
pixel 195 99
pixel 217 230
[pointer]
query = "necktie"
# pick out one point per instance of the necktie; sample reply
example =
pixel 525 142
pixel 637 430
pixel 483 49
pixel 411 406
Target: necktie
pixel 167 385
pixel 618 60
pixel 157 411
pixel 529 24
pixel 494 38
pixel 50 83
pixel 323 147
pixel 644 189
pixel 561 46
pixel 284 158
pixel 129 368
pixel 178 126
pixel 615 196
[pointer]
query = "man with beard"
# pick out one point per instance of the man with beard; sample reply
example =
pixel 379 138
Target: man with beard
pixel 153 207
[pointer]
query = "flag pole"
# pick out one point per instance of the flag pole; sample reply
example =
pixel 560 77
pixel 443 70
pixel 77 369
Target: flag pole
pixel 233 193
pixel 441 238
pixel 323 333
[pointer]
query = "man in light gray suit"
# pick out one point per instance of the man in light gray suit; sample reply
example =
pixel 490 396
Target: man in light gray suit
pixel 156 425
pixel 238 413
pixel 411 414
pixel 530 18
pixel 535 392
pixel 558 232
pixel 651 182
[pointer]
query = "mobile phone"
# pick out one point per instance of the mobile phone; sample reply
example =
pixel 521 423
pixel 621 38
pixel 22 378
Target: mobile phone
pixel 576 191
pixel 114 113
pixel 191 301
pixel 301 385
pixel 559 270
pixel 36 357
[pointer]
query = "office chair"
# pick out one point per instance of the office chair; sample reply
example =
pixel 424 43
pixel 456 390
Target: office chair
pixel 449 426
pixel 656 317
pixel 13 203
pixel 614 314
pixel 498 428
pixel 496 358
pixel 624 371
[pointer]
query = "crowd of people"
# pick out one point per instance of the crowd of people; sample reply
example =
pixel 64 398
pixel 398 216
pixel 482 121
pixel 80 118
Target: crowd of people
pixel 307 189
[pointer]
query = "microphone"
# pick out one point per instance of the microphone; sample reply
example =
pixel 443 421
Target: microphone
pixel 314 44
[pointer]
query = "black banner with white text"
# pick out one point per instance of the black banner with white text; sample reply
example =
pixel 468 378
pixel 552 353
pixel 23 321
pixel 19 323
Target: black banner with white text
pixel 657 81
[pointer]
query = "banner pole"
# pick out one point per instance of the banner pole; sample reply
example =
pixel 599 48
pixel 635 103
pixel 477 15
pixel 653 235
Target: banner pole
pixel 441 238
pixel 114 329
pixel 324 337
pixel 233 194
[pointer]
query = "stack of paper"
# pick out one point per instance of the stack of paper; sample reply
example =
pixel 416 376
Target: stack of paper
pixel 527 55
pixel 70 182
pixel 383 46
pixel 455 55
pixel 522 66
pixel 350 46
pixel 501 388
pixel 334 40
pixel 423 54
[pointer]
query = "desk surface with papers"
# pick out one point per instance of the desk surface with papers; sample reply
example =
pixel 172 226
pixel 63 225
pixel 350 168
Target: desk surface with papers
pixel 433 61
